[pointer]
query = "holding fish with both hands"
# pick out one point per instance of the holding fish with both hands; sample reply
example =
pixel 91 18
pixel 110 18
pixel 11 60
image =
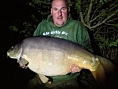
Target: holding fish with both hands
pixel 50 56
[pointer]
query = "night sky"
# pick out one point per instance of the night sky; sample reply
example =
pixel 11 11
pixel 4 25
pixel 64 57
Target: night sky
pixel 12 12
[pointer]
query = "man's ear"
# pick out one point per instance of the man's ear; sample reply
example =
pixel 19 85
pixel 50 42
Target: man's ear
pixel 51 11
pixel 68 9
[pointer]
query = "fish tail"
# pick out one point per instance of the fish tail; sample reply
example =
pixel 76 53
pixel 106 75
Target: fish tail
pixel 105 67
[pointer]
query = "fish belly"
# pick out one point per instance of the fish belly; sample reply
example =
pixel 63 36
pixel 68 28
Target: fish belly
pixel 54 56
pixel 49 63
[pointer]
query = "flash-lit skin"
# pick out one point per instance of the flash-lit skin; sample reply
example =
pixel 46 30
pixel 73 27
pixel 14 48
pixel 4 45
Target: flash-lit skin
pixel 74 68
pixel 59 12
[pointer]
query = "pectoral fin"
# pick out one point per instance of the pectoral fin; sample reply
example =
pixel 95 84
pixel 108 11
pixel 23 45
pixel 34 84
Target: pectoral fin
pixel 43 78
pixel 23 63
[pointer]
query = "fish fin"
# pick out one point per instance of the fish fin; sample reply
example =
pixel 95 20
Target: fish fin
pixel 99 74
pixel 23 63
pixel 105 67
pixel 43 78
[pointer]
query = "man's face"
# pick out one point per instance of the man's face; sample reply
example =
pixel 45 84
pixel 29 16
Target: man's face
pixel 59 12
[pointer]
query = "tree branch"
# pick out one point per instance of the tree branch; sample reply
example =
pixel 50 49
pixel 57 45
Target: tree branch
pixel 100 23
pixel 93 19
pixel 82 20
pixel 89 12
pixel 112 20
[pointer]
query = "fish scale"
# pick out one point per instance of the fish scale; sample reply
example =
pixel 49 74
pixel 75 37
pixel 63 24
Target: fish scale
pixel 50 56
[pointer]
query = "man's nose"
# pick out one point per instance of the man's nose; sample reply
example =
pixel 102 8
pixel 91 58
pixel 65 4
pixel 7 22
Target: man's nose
pixel 59 12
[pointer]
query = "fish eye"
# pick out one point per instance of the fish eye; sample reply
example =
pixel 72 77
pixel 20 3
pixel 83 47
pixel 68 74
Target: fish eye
pixel 12 47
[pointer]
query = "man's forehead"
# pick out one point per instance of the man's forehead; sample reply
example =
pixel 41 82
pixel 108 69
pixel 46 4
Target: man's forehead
pixel 58 7
pixel 59 3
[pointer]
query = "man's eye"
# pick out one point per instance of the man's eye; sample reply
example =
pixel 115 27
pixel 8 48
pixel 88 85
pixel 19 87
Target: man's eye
pixel 54 9
pixel 63 9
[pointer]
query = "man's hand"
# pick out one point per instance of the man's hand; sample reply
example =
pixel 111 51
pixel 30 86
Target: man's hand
pixel 74 68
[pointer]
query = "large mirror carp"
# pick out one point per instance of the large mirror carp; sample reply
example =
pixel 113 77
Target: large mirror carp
pixel 50 56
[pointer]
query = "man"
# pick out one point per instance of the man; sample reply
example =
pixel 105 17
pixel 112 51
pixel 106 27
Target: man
pixel 60 24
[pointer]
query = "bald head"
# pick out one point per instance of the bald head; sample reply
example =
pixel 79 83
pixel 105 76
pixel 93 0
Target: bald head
pixel 59 12
pixel 64 1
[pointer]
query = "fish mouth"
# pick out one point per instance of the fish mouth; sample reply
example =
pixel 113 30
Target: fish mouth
pixel 7 53
pixel 8 56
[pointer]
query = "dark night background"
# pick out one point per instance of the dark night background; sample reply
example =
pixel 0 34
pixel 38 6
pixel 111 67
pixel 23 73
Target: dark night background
pixel 12 12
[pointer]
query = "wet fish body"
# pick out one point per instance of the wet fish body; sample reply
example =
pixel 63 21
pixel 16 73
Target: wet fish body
pixel 49 56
